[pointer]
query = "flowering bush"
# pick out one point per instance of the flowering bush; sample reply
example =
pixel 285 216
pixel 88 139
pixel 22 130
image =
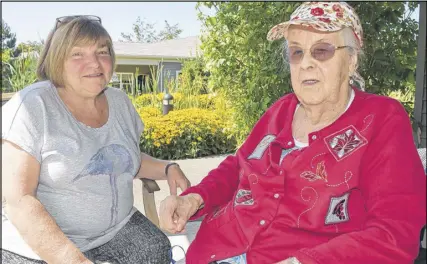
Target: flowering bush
pixel 205 101
pixel 187 133
pixel 148 111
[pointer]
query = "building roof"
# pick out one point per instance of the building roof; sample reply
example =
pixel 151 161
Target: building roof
pixel 169 49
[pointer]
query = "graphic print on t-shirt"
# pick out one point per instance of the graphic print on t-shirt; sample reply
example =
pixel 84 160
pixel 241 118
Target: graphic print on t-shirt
pixel 112 160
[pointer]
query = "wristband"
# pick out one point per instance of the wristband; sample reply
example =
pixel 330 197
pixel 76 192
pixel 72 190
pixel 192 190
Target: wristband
pixel 167 167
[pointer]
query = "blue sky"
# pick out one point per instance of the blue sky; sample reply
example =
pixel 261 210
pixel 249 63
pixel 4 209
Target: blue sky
pixel 33 20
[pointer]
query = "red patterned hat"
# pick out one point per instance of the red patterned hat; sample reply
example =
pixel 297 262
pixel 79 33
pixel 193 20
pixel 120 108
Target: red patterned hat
pixel 322 16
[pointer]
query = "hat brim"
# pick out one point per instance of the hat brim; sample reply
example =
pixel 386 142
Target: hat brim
pixel 281 30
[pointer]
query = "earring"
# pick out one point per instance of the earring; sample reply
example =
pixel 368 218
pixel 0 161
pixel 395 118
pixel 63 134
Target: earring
pixel 351 81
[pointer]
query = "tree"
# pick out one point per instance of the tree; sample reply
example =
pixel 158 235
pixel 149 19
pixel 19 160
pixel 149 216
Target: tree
pixel 28 47
pixel 18 62
pixel 390 45
pixel 243 65
pixel 170 32
pixel 8 39
pixel 8 42
pixel 144 32
pixel 253 74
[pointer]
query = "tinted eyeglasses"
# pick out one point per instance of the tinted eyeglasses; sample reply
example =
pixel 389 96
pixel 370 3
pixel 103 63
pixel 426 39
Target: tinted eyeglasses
pixel 320 51
pixel 66 19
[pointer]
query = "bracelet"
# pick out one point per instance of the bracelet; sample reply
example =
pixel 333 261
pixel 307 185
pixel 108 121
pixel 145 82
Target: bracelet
pixel 167 167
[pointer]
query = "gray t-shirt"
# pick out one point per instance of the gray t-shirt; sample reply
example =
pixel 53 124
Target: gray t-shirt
pixel 86 173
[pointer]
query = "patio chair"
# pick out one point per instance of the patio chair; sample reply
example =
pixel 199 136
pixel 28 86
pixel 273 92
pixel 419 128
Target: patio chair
pixel 148 189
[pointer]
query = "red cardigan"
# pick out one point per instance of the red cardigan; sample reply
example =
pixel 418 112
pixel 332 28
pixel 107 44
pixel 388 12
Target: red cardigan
pixel 356 194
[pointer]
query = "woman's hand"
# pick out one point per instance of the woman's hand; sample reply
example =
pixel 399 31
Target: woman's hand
pixel 176 178
pixel 175 211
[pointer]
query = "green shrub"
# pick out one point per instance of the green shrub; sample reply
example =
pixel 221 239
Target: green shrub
pixel 194 77
pixel 406 98
pixel 187 133
pixel 148 111
pixel 22 72
pixel 180 101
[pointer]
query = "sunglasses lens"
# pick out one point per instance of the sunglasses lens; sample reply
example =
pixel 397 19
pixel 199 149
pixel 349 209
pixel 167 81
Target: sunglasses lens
pixel 295 54
pixel 94 18
pixel 322 51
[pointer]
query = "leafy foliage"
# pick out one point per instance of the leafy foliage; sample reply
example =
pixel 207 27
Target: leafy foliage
pixel 390 45
pixel 8 42
pixel 6 55
pixel 8 39
pixel 194 77
pixel 242 63
pixel 28 47
pixel 23 72
pixel 252 73
pixel 18 62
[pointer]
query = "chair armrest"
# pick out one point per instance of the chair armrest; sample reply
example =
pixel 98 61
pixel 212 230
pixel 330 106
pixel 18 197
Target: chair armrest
pixel 151 185
pixel 148 189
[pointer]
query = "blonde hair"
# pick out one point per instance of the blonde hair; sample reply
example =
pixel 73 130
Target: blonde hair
pixel 66 35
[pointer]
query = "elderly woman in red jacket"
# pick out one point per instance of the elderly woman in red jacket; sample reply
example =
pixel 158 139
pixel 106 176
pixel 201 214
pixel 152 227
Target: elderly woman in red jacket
pixel 329 174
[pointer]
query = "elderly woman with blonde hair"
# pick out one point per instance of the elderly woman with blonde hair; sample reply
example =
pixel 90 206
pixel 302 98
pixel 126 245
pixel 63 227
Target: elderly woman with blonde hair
pixel 70 152
pixel 329 174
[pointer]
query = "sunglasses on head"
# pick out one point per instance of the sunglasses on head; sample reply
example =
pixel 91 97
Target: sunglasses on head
pixel 320 52
pixel 66 19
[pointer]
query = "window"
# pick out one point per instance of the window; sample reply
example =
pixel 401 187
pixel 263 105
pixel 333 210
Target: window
pixel 123 80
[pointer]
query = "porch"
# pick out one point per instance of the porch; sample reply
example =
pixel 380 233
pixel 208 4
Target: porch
pixel 138 76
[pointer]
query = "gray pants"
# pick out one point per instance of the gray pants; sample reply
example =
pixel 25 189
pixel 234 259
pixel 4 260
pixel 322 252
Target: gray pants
pixel 139 241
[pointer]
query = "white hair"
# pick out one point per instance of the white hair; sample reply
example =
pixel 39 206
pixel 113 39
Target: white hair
pixel 351 41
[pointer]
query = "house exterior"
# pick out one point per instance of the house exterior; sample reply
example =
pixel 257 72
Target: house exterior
pixel 420 112
pixel 137 64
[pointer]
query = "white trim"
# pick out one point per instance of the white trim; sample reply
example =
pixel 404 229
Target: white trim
pixel 137 60
pixel 154 57
pixel 122 61
pixel 160 67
